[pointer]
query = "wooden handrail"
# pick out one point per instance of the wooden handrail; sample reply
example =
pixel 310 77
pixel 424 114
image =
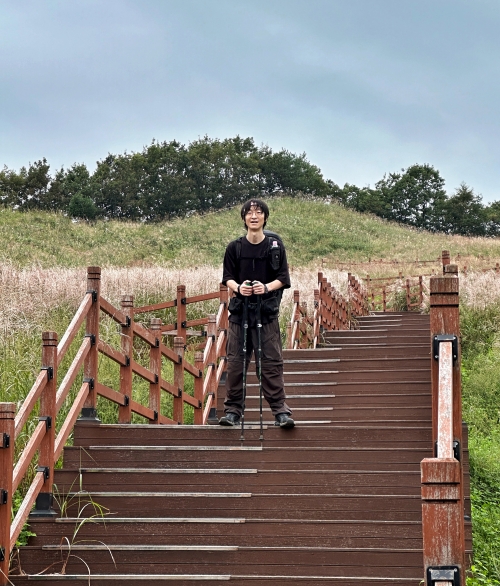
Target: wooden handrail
pixel 44 441
pixel 27 455
pixel 73 327
pixel 25 508
pixel 72 373
pixel 29 402
pixel 70 420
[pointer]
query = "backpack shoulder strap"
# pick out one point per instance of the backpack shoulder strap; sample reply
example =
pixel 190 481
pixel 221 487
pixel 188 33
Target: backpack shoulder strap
pixel 238 247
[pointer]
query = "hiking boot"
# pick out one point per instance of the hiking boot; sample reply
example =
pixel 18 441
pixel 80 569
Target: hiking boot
pixel 284 420
pixel 229 419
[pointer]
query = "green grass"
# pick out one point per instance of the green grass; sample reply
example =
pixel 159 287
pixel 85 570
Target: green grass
pixel 481 410
pixel 312 230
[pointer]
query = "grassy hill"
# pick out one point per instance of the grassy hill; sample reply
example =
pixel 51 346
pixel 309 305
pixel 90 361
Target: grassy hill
pixel 311 230
pixel 35 300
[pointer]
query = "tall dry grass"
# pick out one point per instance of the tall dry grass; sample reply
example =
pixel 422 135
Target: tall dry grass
pixel 27 295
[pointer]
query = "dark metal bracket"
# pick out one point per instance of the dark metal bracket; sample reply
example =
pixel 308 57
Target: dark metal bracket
pixel 155 415
pixel 126 398
pixel 90 381
pixel 5 443
pixel 127 360
pixel 3 496
pixel 183 300
pixel 443 574
pixel 94 295
pixel 457 452
pixel 50 372
pixel 184 324
pixel 48 421
pixel 445 338
pixel 157 342
pixel 2 554
pixel 128 322
pixel 92 338
pixel 45 470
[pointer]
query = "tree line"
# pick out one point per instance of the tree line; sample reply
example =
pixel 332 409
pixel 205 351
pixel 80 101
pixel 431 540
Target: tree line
pixel 169 179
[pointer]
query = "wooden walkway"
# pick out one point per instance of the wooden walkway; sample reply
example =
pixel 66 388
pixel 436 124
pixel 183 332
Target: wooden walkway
pixel 334 500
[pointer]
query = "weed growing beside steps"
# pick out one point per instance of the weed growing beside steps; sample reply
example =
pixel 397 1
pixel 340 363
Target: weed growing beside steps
pixel 480 326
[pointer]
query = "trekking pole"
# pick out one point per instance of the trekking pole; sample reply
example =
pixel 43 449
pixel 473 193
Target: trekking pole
pixel 259 361
pixel 245 334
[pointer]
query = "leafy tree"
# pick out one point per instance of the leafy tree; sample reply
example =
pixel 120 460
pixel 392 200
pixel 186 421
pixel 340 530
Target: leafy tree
pixel 288 173
pixel 415 196
pixel 492 213
pixel 365 200
pixel 82 207
pixel 12 187
pixel 35 186
pixel 464 213
pixel 166 188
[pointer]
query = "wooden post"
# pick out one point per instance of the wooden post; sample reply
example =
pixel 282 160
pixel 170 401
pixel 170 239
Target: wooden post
pixel 445 258
pixel 181 313
pixel 178 414
pixel 212 360
pixel 127 345
pixel 198 388
pixel 384 299
pixel 7 415
pixel 317 321
pixel 155 367
pixel 89 410
pixel 444 319
pixel 421 290
pixel 47 411
pixel 442 478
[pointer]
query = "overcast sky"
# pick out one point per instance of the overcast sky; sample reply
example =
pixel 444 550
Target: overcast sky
pixel 364 87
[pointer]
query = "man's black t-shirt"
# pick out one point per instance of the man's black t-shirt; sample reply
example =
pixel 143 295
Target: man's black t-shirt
pixel 254 265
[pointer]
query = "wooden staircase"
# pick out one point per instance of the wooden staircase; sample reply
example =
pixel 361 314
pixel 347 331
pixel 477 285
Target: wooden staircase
pixel 334 500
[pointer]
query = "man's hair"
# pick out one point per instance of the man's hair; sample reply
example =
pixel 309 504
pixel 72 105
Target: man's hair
pixel 254 203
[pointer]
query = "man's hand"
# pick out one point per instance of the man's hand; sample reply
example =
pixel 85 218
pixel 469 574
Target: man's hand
pixel 246 290
pixel 259 288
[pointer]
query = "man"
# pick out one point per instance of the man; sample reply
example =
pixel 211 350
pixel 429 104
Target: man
pixel 255 265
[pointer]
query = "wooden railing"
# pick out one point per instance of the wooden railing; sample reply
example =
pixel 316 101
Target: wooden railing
pixel 206 371
pixel 332 311
pixel 442 476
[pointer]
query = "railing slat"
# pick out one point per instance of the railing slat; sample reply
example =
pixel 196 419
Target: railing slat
pixel 116 355
pixel 70 420
pixel 29 402
pixel 112 311
pixel 206 382
pixel 110 394
pixel 204 297
pixel 72 373
pixel 155 307
pixel 73 327
pixel 25 508
pixel 142 410
pixel 27 455
pixel 206 410
pixel 143 372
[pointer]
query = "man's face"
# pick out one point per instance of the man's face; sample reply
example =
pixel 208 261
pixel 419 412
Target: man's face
pixel 255 218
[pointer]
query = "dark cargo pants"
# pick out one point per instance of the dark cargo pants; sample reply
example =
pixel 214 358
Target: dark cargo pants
pixel 272 367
